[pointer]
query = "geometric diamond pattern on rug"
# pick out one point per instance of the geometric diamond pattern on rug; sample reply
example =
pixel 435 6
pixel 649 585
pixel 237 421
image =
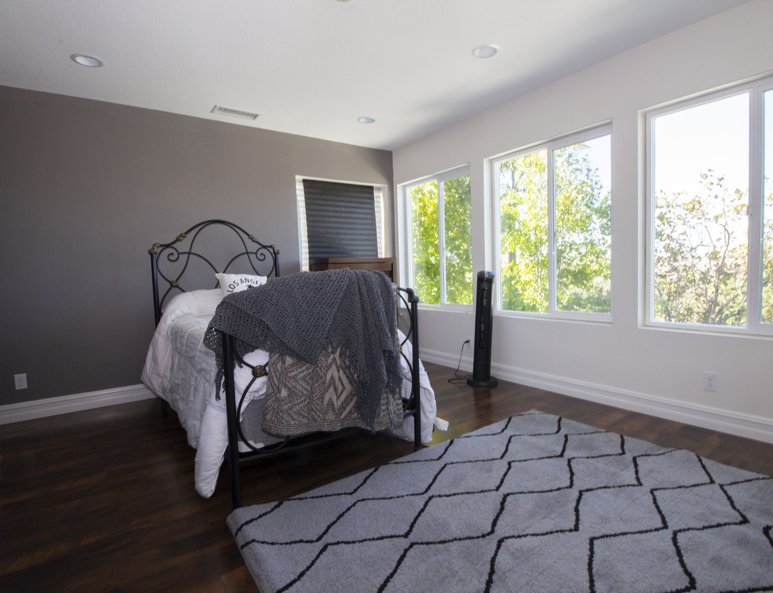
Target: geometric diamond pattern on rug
pixel 534 503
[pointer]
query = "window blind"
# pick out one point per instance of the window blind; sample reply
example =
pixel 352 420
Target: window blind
pixel 340 219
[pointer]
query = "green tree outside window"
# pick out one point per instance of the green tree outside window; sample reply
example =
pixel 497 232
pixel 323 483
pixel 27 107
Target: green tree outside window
pixel 581 226
pixel 442 243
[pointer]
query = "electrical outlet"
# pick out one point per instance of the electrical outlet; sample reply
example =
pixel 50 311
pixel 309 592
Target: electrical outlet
pixel 710 381
pixel 20 381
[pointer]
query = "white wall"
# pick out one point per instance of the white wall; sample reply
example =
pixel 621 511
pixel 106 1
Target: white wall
pixel 622 363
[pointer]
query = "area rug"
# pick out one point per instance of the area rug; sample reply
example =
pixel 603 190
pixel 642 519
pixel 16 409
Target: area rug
pixel 534 503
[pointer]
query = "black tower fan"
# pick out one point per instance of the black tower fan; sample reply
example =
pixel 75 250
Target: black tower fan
pixel 484 320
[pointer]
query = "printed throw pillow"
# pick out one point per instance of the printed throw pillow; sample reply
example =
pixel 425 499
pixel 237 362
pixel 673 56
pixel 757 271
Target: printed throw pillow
pixel 230 283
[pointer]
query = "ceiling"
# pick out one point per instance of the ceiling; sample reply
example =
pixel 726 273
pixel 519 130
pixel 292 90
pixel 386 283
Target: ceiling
pixel 312 67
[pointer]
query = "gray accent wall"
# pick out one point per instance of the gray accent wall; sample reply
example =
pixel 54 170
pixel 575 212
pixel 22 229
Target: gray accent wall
pixel 86 187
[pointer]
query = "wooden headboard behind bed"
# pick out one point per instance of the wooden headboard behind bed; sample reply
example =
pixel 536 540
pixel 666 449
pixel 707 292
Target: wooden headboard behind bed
pixel 181 265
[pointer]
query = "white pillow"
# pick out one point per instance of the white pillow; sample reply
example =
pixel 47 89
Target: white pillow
pixel 230 283
pixel 193 302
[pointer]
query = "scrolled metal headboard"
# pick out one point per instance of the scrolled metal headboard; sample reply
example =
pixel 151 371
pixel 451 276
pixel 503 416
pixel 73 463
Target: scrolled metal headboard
pixel 170 261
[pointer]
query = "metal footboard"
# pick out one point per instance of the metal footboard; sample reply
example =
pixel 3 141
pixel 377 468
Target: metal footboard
pixel 407 302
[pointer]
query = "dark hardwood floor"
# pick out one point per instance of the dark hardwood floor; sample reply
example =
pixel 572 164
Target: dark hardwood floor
pixel 103 500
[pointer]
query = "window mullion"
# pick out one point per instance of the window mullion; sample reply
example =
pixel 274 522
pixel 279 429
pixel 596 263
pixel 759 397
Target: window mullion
pixel 650 220
pixel 497 236
pixel 551 205
pixel 756 210
pixel 407 237
pixel 441 212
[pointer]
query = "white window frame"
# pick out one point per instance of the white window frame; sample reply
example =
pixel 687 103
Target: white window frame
pixel 591 133
pixel 754 325
pixel 406 238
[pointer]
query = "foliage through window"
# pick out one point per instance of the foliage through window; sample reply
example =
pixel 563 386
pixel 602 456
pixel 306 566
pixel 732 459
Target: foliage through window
pixel 441 242
pixel 711 211
pixel 555 226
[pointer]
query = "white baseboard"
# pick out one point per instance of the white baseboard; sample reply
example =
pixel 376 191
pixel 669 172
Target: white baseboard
pixel 52 406
pixel 745 425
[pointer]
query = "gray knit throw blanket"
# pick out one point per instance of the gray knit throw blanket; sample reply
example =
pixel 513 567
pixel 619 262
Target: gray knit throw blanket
pixel 300 314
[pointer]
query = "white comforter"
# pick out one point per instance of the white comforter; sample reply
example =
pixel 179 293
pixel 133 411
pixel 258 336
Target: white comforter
pixel 181 370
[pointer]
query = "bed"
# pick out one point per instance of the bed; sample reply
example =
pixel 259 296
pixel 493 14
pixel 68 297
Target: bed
pixel 195 277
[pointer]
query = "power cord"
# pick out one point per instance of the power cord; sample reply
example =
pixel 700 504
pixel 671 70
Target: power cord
pixel 460 378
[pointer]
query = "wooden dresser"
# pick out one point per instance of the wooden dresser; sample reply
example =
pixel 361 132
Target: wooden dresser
pixel 383 264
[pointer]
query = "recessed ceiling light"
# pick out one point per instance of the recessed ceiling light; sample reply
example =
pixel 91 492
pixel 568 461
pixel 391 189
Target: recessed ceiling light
pixel 487 50
pixel 87 60
pixel 365 119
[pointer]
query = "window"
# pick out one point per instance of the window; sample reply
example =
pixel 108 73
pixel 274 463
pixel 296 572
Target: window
pixel 339 220
pixel 439 210
pixel 711 211
pixel 767 237
pixel 554 227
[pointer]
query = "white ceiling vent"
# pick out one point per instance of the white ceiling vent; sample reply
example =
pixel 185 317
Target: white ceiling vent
pixel 234 112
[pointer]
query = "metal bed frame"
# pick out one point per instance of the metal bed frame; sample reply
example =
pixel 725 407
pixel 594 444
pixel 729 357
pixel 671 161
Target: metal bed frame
pixel 169 263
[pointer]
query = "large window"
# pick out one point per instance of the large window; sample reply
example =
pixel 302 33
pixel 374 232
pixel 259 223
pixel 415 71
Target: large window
pixel 440 240
pixel 554 227
pixel 711 211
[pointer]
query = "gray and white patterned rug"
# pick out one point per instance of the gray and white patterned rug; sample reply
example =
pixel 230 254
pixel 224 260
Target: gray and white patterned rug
pixel 532 503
